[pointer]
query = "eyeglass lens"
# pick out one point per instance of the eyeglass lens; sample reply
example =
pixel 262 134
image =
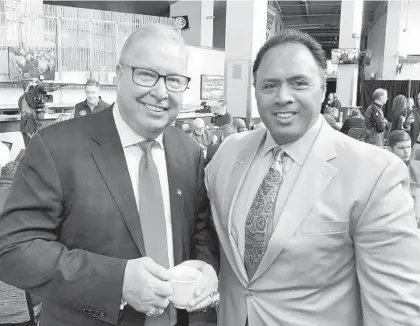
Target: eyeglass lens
pixel 148 78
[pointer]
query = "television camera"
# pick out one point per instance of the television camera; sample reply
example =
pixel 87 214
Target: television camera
pixel 37 95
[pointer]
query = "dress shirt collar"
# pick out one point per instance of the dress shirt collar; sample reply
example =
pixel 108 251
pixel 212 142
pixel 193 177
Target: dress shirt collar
pixel 127 135
pixel 299 149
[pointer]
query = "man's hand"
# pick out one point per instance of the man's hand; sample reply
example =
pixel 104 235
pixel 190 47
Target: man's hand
pixel 208 284
pixel 146 285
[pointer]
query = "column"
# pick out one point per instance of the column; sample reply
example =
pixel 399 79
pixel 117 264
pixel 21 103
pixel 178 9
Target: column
pixel 200 17
pixel 350 30
pixel 392 37
pixel 245 33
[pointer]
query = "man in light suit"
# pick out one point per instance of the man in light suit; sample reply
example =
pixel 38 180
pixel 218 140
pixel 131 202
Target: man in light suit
pixel 304 240
pixel 102 207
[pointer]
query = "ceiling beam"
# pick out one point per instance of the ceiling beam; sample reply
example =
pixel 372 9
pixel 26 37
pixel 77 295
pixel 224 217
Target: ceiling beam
pixel 307 7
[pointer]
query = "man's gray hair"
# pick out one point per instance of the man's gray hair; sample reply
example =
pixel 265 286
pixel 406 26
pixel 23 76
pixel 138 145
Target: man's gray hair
pixel 154 31
pixel 379 93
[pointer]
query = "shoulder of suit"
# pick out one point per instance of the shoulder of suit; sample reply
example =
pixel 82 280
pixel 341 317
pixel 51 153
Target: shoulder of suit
pixel 237 141
pixel 367 155
pixel 181 137
pixel 415 164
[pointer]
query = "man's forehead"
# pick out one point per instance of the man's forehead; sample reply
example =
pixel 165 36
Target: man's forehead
pixel 404 143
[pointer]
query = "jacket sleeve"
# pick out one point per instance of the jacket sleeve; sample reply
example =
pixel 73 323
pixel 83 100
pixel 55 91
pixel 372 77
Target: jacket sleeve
pixel 387 249
pixel 205 244
pixel 379 121
pixel 345 127
pixel 32 257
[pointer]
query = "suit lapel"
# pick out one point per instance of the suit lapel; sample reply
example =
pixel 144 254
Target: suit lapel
pixel 176 167
pixel 110 160
pixel 240 168
pixel 314 177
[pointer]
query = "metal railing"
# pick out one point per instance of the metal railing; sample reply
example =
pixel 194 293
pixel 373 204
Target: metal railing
pixel 82 40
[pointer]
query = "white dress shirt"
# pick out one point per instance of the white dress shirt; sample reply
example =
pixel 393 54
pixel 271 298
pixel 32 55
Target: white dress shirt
pixel 133 154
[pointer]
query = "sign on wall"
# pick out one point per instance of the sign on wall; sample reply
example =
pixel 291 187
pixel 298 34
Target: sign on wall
pixel 212 87
pixel 27 63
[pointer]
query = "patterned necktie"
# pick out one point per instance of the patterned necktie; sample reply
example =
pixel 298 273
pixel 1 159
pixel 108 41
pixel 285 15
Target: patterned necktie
pixel 261 214
pixel 152 219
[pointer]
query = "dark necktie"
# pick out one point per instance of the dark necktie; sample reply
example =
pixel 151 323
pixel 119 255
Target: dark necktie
pixel 261 213
pixel 152 218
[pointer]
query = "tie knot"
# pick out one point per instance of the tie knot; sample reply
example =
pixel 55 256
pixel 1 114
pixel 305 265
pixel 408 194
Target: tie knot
pixel 146 146
pixel 278 153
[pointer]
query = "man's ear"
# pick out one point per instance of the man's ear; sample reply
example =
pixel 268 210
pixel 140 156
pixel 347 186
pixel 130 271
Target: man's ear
pixel 118 74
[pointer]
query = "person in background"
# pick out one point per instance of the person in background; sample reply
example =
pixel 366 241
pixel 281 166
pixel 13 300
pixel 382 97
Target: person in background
pixel 17 308
pixel 415 126
pixel 185 127
pixel 327 103
pixel 103 206
pixel 336 102
pixel 200 134
pixel 27 121
pixel 62 117
pixel 4 154
pixel 355 120
pixel 411 104
pixel 93 102
pixel 220 115
pixel 336 115
pixel 375 122
pixel 303 240
pixel 259 125
pixel 329 117
pixel 399 143
pixel 402 117
pixel 225 132
pixel 240 125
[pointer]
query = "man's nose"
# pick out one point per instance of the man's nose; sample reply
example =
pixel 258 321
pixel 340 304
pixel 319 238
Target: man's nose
pixel 283 96
pixel 159 90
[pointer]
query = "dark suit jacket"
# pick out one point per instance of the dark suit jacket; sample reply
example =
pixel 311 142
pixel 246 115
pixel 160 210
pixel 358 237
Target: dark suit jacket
pixel 205 140
pixel 83 106
pixel 71 222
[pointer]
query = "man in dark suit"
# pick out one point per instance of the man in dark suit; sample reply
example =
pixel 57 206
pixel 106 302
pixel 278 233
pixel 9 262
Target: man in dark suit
pixel 93 102
pixel 103 206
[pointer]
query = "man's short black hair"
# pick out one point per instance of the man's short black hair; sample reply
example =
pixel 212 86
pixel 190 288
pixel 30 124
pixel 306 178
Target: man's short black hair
pixel 293 36
pixel 397 136
pixel 92 82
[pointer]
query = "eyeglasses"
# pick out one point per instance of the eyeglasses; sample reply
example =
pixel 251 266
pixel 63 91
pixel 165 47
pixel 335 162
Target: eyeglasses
pixel 149 78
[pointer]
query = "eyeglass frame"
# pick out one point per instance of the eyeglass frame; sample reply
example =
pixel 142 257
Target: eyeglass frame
pixel 133 69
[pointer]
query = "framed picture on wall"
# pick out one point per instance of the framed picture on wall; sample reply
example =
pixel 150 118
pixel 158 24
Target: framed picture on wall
pixel 344 56
pixel 212 87
pixel 26 63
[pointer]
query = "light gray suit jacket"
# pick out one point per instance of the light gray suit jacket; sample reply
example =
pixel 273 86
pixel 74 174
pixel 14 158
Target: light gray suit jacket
pixel 345 250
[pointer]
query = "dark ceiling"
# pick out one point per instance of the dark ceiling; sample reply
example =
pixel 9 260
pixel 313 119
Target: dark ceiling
pixel 321 19
pixel 154 8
